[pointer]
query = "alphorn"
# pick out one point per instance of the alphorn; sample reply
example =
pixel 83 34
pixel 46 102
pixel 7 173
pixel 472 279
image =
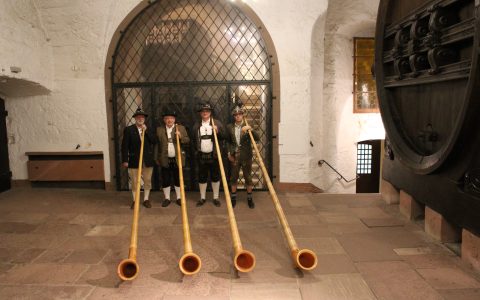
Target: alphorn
pixel 244 260
pixel 305 259
pixel 190 263
pixel 128 268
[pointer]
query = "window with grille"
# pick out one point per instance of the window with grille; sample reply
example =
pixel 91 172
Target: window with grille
pixel 364 159
pixel 364 88
pixel 179 53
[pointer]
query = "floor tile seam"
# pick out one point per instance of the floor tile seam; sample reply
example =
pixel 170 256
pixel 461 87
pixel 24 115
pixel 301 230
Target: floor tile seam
pixel 38 256
pixel 349 273
pixel 79 276
pixel 470 272
pixel 425 280
pixel 369 286
pixel 104 256
pixel 44 285
pixel 90 292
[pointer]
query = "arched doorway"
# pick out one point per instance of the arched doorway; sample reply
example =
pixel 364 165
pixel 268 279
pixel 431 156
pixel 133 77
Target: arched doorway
pixel 179 53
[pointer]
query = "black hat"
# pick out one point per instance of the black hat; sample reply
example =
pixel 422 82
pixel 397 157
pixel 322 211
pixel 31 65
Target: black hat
pixel 139 112
pixel 237 110
pixel 169 112
pixel 205 106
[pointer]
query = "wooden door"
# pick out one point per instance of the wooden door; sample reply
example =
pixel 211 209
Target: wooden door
pixel 368 166
pixel 5 174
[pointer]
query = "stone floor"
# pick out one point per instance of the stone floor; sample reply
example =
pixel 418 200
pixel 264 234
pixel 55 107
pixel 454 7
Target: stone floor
pixel 66 244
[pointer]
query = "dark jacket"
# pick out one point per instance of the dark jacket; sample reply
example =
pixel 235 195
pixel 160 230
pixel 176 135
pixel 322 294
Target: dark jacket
pixel 131 147
pixel 246 151
pixel 161 149
pixel 220 135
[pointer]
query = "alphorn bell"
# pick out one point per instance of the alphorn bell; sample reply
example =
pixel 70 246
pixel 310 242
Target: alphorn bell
pixel 244 260
pixel 190 263
pixel 128 268
pixel 305 259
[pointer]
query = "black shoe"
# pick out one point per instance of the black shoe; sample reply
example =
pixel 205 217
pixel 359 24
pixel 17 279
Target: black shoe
pixel 201 202
pixel 251 204
pixel 132 205
pixel 166 203
pixel 179 202
pixel 216 202
pixel 147 204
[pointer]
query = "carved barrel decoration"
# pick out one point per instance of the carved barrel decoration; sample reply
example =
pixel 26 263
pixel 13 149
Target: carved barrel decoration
pixel 425 66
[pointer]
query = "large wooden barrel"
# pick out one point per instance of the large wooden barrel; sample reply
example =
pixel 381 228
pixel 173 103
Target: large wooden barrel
pixel 426 69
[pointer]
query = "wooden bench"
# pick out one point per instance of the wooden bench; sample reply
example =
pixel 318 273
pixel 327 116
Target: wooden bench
pixel 65 166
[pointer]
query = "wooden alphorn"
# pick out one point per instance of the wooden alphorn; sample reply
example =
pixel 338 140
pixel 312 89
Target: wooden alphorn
pixel 190 263
pixel 244 260
pixel 305 259
pixel 128 268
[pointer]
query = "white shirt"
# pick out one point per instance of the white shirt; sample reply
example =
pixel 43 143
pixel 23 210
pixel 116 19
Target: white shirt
pixel 139 131
pixel 206 145
pixel 171 147
pixel 238 133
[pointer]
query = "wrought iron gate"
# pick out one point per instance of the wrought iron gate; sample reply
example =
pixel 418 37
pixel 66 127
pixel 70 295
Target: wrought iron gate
pixel 177 54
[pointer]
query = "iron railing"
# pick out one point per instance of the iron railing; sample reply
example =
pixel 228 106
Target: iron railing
pixel 340 176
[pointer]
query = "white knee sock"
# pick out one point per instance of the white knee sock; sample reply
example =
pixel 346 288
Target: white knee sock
pixel 203 190
pixel 177 192
pixel 146 194
pixel 166 192
pixel 133 194
pixel 216 189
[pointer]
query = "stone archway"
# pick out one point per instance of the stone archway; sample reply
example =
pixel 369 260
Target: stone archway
pixel 172 53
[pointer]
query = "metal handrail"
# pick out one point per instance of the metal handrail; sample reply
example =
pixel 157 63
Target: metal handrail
pixel 321 162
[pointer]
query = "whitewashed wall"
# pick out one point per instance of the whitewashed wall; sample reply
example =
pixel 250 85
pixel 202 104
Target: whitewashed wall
pixel 340 129
pixel 24 43
pixel 74 112
pixel 313 48
pixel 291 25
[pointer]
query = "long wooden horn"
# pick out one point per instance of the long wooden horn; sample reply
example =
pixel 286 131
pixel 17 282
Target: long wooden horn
pixel 190 263
pixel 128 268
pixel 305 259
pixel 244 260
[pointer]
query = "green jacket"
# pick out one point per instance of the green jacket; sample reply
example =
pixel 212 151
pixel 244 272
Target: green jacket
pixel 246 151
pixel 161 149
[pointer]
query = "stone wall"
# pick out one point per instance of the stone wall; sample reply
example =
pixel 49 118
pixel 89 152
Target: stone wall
pixel 335 129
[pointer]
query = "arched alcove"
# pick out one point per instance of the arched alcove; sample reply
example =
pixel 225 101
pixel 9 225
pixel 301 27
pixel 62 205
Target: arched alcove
pixel 178 53
pixel 339 128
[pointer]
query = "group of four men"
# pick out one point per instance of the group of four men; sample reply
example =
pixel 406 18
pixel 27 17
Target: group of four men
pixel 160 149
